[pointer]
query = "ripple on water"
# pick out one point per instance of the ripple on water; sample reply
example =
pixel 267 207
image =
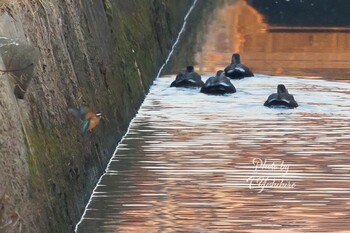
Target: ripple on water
pixel 187 162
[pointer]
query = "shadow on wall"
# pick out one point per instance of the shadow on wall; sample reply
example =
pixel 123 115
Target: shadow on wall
pixel 19 60
pixel 193 37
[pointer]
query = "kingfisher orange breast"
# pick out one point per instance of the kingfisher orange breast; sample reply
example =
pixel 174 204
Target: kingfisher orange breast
pixel 94 121
pixel 90 115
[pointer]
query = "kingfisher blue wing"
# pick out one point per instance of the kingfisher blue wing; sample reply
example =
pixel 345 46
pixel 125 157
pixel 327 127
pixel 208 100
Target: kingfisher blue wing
pixel 79 112
pixel 85 127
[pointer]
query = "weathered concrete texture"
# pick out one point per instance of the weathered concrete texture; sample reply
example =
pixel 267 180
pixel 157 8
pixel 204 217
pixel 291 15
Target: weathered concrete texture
pixel 103 54
pixel 14 175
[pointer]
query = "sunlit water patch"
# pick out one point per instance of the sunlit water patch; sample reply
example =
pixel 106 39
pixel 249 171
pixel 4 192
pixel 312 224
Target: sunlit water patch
pixel 198 163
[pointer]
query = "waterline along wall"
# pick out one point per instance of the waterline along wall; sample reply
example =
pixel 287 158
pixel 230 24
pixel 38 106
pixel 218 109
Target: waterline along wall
pixel 167 60
pixel 103 54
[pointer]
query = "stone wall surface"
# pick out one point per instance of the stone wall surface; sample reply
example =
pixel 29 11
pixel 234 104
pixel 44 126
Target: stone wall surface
pixel 56 54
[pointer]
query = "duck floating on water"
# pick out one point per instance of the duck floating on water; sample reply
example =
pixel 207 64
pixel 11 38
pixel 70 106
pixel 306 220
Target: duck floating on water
pixel 218 85
pixel 237 70
pixel 188 78
pixel 281 98
pixel 90 118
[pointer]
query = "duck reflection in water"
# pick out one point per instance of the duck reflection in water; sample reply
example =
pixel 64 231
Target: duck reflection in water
pixel 236 70
pixel 218 85
pixel 281 98
pixel 188 78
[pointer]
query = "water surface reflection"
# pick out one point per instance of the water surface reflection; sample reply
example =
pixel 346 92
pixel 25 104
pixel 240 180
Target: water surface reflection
pixel 185 164
pixel 296 50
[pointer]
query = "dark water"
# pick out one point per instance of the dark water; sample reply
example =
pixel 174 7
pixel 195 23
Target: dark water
pixel 197 163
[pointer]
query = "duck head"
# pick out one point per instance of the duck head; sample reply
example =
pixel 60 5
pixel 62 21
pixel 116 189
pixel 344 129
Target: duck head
pixel 281 89
pixel 219 72
pixel 189 69
pixel 236 58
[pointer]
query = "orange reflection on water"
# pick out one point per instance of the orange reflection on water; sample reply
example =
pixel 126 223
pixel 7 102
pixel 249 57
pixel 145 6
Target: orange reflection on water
pixel 267 49
pixel 186 163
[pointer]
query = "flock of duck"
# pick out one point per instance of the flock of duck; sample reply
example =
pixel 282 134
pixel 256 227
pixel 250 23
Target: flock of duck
pixel 216 85
pixel 221 84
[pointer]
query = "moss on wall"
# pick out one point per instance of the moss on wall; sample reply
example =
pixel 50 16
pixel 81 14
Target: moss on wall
pixel 104 54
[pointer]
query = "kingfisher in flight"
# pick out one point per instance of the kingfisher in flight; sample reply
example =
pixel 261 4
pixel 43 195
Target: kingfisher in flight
pixel 90 118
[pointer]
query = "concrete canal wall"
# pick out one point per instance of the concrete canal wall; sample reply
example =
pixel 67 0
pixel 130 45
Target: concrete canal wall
pixel 103 54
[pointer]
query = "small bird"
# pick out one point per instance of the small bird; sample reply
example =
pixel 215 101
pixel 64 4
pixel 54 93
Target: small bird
pixel 90 119
pixel 281 98
pixel 218 85
pixel 236 70
pixel 188 78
